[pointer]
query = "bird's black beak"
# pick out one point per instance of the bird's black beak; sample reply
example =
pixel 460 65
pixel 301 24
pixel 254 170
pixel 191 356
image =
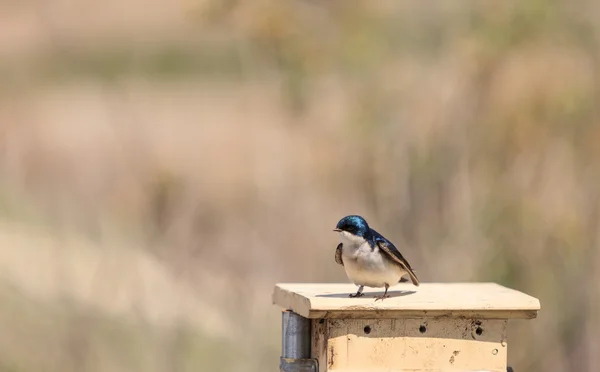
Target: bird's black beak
pixel 337 230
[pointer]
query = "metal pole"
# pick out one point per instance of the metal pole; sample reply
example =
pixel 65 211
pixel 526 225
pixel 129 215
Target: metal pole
pixel 295 341
pixel 295 344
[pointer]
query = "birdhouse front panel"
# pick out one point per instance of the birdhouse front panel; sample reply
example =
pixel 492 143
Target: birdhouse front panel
pixel 420 344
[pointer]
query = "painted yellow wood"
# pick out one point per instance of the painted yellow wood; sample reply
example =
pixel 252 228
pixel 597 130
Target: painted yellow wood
pixel 425 344
pixel 471 300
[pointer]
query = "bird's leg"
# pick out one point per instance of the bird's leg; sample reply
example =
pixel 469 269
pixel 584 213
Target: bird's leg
pixel 358 293
pixel 385 295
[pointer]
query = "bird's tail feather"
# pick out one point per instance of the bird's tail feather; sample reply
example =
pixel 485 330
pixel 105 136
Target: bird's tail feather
pixel 413 277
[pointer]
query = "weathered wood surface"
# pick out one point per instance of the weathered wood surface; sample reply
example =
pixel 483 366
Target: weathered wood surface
pixel 457 344
pixel 470 300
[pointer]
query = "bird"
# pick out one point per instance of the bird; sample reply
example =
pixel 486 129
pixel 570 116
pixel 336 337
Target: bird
pixel 369 259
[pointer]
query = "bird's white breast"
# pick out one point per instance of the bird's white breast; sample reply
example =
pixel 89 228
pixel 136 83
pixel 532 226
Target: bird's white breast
pixel 368 266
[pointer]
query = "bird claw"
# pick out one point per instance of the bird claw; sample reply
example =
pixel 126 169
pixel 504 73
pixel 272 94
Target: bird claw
pixel 353 295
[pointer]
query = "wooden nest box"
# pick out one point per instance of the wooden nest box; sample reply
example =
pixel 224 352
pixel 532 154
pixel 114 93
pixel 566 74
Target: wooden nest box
pixel 433 327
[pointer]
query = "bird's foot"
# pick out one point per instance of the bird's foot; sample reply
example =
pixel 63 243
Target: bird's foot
pixel 353 295
pixel 377 298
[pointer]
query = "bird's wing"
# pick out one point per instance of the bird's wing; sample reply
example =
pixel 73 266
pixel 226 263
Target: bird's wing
pixel 338 254
pixel 387 247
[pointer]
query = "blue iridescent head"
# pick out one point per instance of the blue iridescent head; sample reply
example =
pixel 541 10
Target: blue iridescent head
pixel 355 225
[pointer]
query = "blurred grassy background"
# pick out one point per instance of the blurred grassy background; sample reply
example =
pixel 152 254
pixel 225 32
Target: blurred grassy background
pixel 163 164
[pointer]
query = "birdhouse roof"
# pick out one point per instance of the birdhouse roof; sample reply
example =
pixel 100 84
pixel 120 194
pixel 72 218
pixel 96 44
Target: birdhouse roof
pixel 479 300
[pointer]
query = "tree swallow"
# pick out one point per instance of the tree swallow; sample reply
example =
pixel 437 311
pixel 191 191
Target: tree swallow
pixel 368 258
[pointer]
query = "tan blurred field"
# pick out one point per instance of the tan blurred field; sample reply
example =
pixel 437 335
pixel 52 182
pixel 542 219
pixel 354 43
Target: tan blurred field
pixel 163 164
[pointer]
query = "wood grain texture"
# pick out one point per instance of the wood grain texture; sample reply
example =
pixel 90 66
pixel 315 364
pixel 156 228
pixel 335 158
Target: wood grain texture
pixel 410 345
pixel 471 300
